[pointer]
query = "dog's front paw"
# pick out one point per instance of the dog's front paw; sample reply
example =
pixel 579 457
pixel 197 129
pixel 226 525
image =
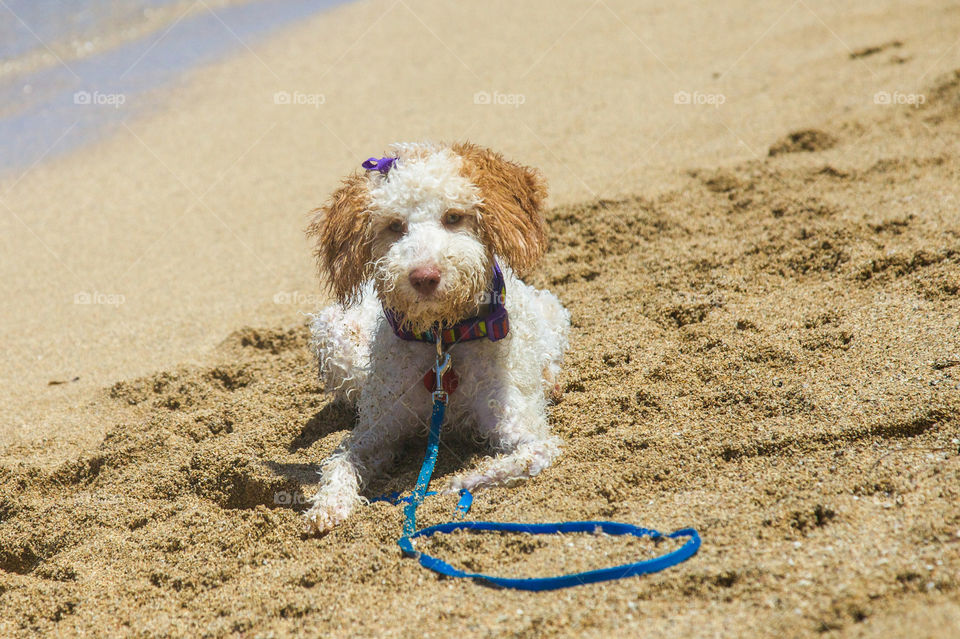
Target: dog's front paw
pixel 324 515
pixel 526 461
pixel 454 486
pixel 468 482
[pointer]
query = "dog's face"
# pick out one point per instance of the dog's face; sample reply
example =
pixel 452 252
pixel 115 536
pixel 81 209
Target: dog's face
pixel 426 231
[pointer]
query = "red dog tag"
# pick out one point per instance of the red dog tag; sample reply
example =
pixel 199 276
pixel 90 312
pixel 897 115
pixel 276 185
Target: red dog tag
pixel 450 380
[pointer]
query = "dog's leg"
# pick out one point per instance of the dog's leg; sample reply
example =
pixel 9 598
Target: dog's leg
pixel 343 475
pixel 553 330
pixel 341 340
pixel 519 432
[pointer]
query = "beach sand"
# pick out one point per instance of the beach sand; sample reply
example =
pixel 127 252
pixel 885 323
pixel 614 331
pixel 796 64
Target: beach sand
pixel 762 260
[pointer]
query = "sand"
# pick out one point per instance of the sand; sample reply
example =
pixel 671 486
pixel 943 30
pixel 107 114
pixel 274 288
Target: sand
pixel 765 295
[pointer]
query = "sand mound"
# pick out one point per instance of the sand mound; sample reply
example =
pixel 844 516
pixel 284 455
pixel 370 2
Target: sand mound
pixel 805 140
pixel 770 354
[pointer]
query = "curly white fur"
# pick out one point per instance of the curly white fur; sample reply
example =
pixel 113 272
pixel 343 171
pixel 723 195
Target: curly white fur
pixel 504 386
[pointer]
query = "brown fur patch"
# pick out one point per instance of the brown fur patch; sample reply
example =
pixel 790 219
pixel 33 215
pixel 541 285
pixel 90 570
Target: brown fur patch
pixel 341 232
pixel 511 221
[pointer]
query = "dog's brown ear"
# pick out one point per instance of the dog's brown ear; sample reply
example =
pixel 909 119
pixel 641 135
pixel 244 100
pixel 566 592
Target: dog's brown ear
pixel 340 230
pixel 510 217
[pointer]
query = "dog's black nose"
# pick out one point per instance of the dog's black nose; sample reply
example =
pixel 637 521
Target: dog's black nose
pixel 425 279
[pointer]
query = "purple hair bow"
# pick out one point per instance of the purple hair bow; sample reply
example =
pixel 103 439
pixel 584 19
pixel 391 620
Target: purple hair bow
pixel 383 165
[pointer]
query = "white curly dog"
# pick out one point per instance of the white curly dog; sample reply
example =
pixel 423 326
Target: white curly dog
pixel 432 238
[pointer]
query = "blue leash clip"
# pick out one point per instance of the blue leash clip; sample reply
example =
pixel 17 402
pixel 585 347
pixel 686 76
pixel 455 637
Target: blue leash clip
pixel 410 532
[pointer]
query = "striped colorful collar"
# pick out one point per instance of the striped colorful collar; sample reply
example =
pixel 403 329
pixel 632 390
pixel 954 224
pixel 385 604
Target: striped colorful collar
pixel 494 325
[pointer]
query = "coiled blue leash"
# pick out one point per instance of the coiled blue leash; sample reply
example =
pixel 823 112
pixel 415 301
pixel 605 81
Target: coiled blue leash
pixel 410 531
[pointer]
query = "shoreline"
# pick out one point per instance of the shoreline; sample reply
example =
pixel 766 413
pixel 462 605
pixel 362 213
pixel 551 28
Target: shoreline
pixel 65 105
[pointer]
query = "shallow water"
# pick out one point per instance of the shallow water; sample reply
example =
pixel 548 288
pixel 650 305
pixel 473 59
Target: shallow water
pixel 73 70
pixel 31 26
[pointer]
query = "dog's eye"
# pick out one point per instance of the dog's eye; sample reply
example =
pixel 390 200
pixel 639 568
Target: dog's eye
pixel 397 226
pixel 452 219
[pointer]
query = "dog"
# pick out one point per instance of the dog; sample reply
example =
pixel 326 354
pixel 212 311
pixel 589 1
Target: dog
pixel 431 242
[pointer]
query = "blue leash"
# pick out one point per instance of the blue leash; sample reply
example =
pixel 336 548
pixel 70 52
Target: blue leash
pixel 410 531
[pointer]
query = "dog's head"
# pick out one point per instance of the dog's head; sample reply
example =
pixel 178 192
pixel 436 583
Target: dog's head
pixel 427 227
